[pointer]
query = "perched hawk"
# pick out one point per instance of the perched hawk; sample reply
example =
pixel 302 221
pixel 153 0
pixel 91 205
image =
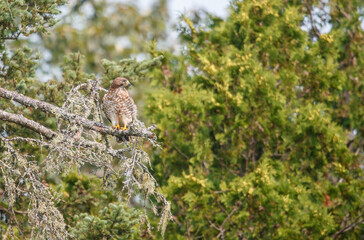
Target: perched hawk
pixel 118 106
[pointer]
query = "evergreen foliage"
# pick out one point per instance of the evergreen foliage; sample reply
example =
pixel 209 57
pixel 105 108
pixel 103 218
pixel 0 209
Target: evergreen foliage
pixel 113 223
pixel 22 17
pixel 261 137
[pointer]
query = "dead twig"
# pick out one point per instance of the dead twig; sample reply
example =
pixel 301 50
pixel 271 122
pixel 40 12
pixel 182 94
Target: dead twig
pixel 356 222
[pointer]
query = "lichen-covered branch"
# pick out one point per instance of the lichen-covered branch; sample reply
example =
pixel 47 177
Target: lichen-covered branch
pixel 22 181
pixel 81 138
pixel 48 133
pixel 23 121
pixel 74 118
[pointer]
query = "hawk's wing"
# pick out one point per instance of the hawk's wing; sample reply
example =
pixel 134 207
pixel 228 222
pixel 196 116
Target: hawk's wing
pixel 132 107
pixel 129 104
pixel 106 106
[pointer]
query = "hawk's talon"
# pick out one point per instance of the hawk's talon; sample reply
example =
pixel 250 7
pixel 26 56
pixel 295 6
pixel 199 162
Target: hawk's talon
pixel 117 127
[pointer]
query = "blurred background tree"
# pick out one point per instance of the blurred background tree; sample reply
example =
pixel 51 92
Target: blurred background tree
pixel 262 122
pixel 101 29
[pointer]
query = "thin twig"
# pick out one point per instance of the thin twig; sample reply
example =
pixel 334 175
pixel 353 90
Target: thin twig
pixel 309 8
pixel 357 221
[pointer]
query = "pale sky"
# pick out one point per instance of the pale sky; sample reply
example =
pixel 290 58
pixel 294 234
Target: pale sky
pixel 178 7
pixel 218 7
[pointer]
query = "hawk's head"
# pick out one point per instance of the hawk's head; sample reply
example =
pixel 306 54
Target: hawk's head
pixel 120 82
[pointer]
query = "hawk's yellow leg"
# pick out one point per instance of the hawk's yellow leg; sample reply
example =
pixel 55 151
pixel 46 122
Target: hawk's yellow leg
pixel 124 128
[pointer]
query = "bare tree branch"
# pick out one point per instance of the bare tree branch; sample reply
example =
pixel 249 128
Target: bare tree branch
pixel 221 228
pixel 59 112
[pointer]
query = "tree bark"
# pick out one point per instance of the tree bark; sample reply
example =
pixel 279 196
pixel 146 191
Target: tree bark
pixel 25 122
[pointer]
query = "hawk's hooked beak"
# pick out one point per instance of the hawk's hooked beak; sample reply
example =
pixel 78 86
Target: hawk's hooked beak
pixel 129 83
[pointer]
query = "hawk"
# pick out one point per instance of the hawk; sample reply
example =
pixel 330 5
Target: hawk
pixel 119 108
